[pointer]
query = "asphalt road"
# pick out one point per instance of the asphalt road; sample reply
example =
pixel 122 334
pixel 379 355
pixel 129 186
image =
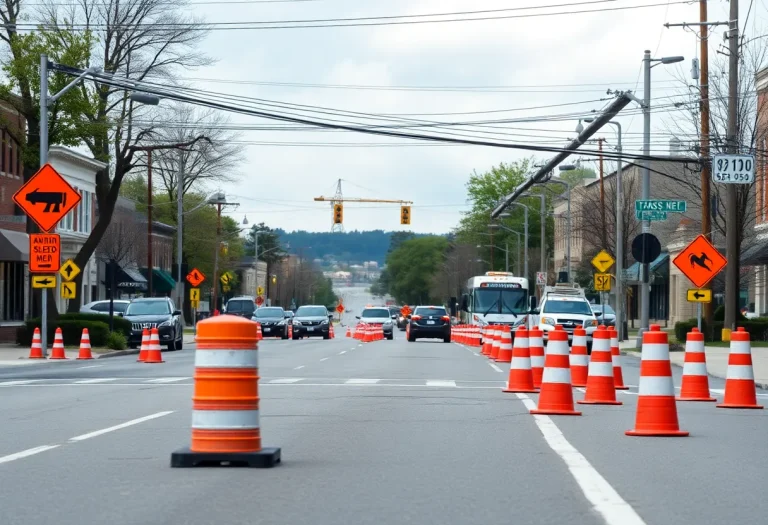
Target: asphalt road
pixel 384 433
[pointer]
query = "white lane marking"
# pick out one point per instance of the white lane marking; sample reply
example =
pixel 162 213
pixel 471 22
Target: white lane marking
pixel 285 380
pixel 441 382
pixel 603 497
pixel 167 379
pixel 97 380
pixel 20 382
pixel 89 366
pixel 324 359
pixel 582 390
pixel 495 367
pixel 299 367
pixel 132 422
pixel 26 453
pixel 342 352
pixel 362 381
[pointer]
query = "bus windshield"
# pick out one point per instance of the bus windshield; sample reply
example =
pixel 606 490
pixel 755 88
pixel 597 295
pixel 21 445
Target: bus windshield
pixel 500 301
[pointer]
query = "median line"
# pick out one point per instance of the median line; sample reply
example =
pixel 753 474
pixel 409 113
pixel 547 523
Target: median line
pixel 96 433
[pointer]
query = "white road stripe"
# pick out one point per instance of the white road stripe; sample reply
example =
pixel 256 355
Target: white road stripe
pixel 132 422
pixel 342 352
pixel 495 367
pixel 603 497
pixel 20 382
pixel 90 366
pixel 324 359
pixel 167 379
pixel 97 380
pixel 26 453
pixel 286 380
pixel 361 381
pixel 441 382
pixel 299 367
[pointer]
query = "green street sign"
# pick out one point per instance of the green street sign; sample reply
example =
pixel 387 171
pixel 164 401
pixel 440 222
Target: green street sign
pixel 659 205
pixel 650 215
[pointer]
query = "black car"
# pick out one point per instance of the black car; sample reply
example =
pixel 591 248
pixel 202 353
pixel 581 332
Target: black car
pixel 311 320
pixel 273 321
pixel 155 312
pixel 242 306
pixel 429 322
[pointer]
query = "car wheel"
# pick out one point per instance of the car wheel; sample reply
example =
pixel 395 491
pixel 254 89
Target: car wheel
pixel 179 345
pixel 295 337
pixel 326 336
pixel 390 337
pixel 447 339
pixel 133 347
pixel 411 338
pixel 285 334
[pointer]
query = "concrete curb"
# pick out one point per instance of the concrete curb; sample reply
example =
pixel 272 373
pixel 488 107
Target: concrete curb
pixel 117 353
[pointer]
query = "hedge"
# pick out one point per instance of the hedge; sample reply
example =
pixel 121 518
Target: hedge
pixel 757 328
pixel 120 324
pixel 71 330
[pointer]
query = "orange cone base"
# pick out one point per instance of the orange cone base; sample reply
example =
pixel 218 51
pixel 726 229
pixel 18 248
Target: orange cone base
pixel 587 402
pixel 154 362
pixel 57 358
pixel 36 357
pixel 84 358
pixel 553 412
pixel 696 399
pixel 504 359
pixel 658 433
pixel 621 387
pixel 520 390
pixel 264 458
pixel 734 405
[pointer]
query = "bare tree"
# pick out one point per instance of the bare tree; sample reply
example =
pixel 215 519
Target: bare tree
pixel 459 264
pixel 125 241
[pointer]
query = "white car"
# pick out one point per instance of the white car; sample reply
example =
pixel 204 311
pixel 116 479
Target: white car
pixel 566 305
pixel 102 307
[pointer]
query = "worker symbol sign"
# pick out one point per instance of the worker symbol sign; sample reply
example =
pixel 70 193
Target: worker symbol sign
pixel 700 262
pixel 44 252
pixel 46 198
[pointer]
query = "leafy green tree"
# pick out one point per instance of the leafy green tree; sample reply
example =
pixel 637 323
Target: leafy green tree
pixel 271 249
pixel 411 268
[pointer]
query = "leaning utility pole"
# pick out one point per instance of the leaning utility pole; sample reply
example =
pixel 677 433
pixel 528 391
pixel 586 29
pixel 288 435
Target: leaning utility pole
pixel 731 213
pixel 603 226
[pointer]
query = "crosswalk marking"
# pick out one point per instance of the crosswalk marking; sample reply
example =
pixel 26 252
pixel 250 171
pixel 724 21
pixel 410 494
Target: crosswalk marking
pixel 97 380
pixel 285 380
pixel 361 381
pixel 167 379
pixel 441 382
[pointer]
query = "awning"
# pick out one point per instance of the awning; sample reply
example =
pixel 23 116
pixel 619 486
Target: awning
pixel 162 281
pixel 14 246
pixel 632 274
pixel 128 278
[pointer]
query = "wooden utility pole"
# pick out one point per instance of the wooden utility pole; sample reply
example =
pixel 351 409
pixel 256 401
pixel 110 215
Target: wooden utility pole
pixel 604 228
pixel 706 165
pixel 732 215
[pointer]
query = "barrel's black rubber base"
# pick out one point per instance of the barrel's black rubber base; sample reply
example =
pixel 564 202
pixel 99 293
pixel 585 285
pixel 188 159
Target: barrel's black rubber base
pixel 265 458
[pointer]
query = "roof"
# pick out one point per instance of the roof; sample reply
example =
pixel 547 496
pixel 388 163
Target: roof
pixel 76 157
pixel 633 272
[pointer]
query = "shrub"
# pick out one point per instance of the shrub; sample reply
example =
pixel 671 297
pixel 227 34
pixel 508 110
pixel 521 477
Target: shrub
pixel 120 324
pixel 719 314
pixel 116 341
pixel 71 330
pixel 757 328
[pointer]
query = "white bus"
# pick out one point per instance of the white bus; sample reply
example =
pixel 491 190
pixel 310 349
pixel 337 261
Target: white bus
pixel 496 298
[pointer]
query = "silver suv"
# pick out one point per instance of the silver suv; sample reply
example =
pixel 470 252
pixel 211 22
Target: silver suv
pixel 378 316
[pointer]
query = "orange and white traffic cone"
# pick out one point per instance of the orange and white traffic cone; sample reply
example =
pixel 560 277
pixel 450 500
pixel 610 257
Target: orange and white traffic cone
pixel 600 389
pixel 330 331
pixel 536 346
pixel 144 347
pixel 85 346
pixel 505 347
pixel 579 358
pixel 259 333
pixel 740 378
pixel 496 348
pixel 36 351
pixel 618 375
pixel 57 352
pixel 154 353
pixel 490 335
pixel 290 331
pixel 349 332
pixel 656 409
pixel 695 384
pixel 520 373
pixel 556 396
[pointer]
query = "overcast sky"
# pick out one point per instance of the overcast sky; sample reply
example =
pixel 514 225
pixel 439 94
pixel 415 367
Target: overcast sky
pixel 550 61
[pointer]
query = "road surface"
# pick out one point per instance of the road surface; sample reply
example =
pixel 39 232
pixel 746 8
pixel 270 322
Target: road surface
pixel 383 433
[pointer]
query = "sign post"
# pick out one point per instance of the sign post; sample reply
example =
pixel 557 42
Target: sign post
pixel 603 262
pixel 46 198
pixel 195 278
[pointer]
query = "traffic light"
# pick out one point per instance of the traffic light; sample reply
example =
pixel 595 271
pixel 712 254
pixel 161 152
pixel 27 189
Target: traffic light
pixel 405 215
pixel 338 213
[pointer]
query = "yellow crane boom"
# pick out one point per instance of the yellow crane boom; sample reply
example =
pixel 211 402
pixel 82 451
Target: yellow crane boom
pixel 358 199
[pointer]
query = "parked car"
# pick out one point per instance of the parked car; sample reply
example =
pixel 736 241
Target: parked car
pixel 312 320
pixel 378 316
pixel 273 321
pixel 610 315
pixel 102 307
pixel 155 312
pixel 243 306
pixel 429 322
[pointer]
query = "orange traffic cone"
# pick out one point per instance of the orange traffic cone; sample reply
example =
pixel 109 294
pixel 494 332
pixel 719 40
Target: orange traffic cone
pixel 58 346
pixel 154 354
pixel 618 375
pixel 579 358
pixel 740 379
pixel 490 335
pixel 520 373
pixel 505 347
pixel 259 333
pixel 290 331
pixel 656 408
pixel 556 397
pixel 144 346
pixel 330 332
pixel 536 346
pixel 695 385
pixel 496 347
pixel 85 346
pixel 349 332
pixel 36 351
pixel 600 389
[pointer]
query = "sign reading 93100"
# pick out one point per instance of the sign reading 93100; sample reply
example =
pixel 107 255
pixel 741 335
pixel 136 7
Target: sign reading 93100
pixel 733 169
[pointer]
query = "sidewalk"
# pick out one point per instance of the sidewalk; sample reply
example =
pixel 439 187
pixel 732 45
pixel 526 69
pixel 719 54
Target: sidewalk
pixel 717 361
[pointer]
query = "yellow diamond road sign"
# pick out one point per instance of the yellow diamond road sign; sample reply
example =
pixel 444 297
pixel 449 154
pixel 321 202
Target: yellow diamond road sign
pixel 69 270
pixel 68 290
pixel 603 282
pixel 260 290
pixel 699 296
pixel 603 261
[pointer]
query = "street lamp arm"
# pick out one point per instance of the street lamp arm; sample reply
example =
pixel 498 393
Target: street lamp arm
pixel 90 71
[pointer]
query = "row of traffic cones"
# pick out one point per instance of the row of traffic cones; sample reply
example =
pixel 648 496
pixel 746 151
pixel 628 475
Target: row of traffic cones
pixel 469 335
pixel 368 333
pixel 58 352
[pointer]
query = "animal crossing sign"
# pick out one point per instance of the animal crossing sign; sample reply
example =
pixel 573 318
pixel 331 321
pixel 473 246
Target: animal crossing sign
pixel 700 262
pixel 46 198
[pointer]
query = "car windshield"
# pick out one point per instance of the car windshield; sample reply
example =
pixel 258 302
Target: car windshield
pixel 598 309
pixel 500 301
pixel 430 312
pixel 312 311
pixel 148 308
pixel 118 307
pixel 375 312
pixel 240 306
pixel 270 312
pixel 553 306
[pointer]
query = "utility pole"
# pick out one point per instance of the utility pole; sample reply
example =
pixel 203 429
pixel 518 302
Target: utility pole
pixel 602 197
pixel 731 213
pixel 706 175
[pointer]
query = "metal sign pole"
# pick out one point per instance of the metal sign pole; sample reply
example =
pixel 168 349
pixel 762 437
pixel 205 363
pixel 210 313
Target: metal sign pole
pixel 698 315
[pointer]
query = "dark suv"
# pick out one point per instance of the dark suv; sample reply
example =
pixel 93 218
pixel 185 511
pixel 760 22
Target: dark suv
pixel 429 322
pixel 243 306
pixel 311 320
pixel 155 312
pixel 273 321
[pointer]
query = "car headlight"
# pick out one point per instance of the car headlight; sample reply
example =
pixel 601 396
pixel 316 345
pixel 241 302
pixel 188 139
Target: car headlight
pixel 548 320
pixel 281 323
pixel 296 323
pixel 169 322
pixel 324 322
pixel 590 322
pixel 388 322
pixel 520 320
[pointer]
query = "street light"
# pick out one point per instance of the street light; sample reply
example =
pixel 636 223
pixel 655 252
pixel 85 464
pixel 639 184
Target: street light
pixel 495 225
pixel 566 167
pixel 219 199
pixel 506 215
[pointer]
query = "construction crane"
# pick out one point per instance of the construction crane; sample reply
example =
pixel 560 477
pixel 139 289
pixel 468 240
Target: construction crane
pixel 338 210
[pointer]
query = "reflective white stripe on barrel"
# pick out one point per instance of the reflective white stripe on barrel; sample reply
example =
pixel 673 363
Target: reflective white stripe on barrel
pixel 616 360
pixel 520 342
pixel 226 359
pixel 602 369
pixel 579 340
pixel 740 347
pixel 537 361
pixel 536 342
pixel 601 345
pixel 614 342
pixel 696 347
pixel 558 348
pixel 579 359
pixel 225 419
pixel 556 375
pixel 740 372
pixel 655 352
pixel 520 363
pixel 694 369
pixel 656 386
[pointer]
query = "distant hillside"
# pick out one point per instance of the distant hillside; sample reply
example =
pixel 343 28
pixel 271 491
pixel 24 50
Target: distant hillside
pixel 349 247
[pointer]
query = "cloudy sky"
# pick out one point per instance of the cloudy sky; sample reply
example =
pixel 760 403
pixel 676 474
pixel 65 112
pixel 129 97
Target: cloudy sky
pixel 559 65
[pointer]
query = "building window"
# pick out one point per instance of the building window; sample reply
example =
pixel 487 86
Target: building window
pixel 84 212
pixel 12 274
